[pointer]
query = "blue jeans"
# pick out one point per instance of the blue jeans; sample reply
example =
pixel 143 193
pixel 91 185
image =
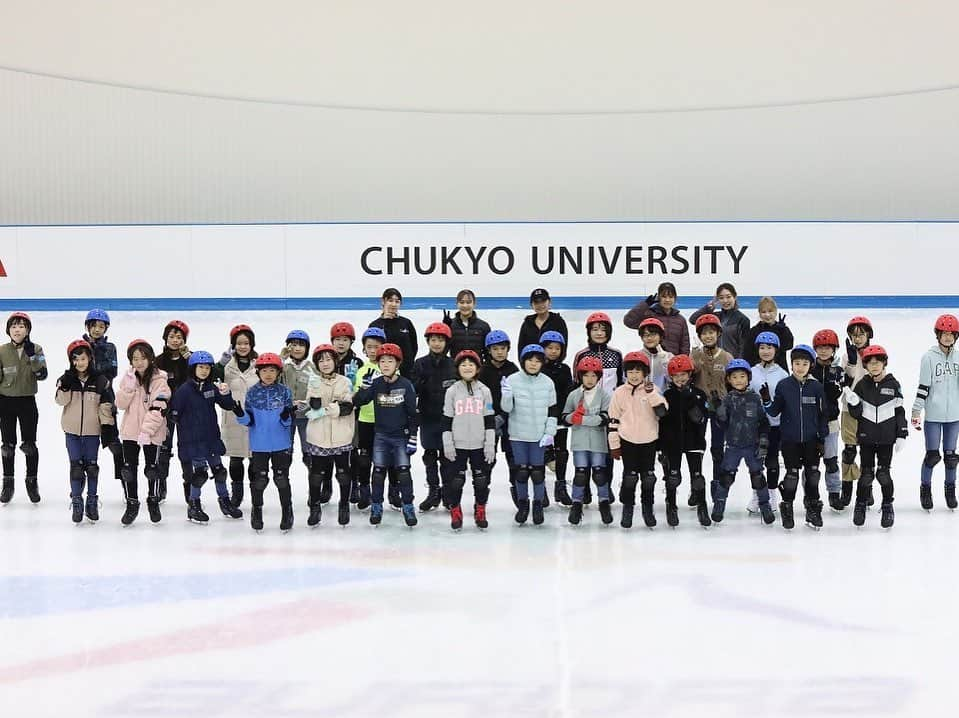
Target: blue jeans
pixel 731 459
pixel 528 453
pixel 83 448
pixel 589 459
pixel 390 451
pixel 946 432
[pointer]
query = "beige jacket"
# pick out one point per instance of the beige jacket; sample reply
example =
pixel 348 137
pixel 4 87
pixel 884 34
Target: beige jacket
pixel 236 438
pixel 710 371
pixel 330 432
pixel 85 411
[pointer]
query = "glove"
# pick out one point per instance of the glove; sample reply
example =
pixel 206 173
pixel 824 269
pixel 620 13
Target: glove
pixel 143 439
pixel 851 397
pixel 225 357
pixel 368 379
pixel 185 351
pixel 576 418
pixel 285 352
pixel 237 409
pixel 852 354
pixel 68 382
pixel 316 413
pixel 499 421
pixel 916 422
pixel 781 321
pixel 301 408
pixel 223 388
pixel 763 448
pixel 109 439
pixel 764 393
pixel 505 388
pixel 617 454
pixel 489 452
pixel 411 445
pixel 547 440
pixel 714 401
pixel 449 449
pixel 29 348
pixel 695 414
pixel 900 443
pixel 651 300
pixel 447 319
pixel 286 413
pixel 648 386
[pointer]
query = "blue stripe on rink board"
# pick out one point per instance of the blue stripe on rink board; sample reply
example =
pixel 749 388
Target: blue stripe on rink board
pixel 200 304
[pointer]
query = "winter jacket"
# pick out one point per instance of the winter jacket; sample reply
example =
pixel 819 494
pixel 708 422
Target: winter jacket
pixel 770 376
pixel 751 351
pixel 938 392
pixel 562 378
pixel 433 375
pixel 21 373
pixel 104 356
pixel 466 335
pixel 468 416
pixel 236 436
pixel 877 406
pixel 831 377
pixel 658 367
pixel 349 364
pixel 87 403
pixel 683 428
pixel 144 410
pixel 800 406
pixel 174 363
pixel 366 414
pixel 710 370
pixel 612 359
pixel 676 337
pixel 632 415
pixel 335 429
pixel 492 377
pixel 735 328
pixel 591 434
pixel 742 415
pixel 400 331
pixel 395 402
pixel 264 407
pixel 532 408
pixel 529 332
pixel 194 413
pixel 297 375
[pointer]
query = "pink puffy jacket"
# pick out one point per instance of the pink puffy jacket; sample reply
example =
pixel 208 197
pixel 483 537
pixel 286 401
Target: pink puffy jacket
pixel 142 410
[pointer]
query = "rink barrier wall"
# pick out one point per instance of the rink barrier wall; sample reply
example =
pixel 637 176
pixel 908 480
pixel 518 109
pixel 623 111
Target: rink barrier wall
pixel 582 264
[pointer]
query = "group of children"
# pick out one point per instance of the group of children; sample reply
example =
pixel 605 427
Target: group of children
pixel 360 420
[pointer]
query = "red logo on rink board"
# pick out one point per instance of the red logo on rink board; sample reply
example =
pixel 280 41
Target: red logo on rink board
pixel 3 270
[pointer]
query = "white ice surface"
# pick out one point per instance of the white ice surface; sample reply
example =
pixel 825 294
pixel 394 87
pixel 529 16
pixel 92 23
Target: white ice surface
pixel 182 620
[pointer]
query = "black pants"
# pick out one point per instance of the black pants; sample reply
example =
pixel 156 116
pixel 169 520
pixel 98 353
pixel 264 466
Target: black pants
pixel 800 456
pixel 260 464
pixel 322 468
pixel 22 409
pixel 875 463
pixel 131 461
pixel 639 458
pixel 694 461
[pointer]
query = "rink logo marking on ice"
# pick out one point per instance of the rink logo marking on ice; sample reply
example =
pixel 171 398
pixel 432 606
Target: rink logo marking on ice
pixel 253 628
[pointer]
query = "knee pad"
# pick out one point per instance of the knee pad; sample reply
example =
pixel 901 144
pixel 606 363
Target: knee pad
pixel 431 456
pixel 236 468
pixel 866 476
pixel 717 453
pixel 832 465
pixel 697 482
pixel 537 474
pixel 8 451
pixel 849 454
pixel 151 472
pixel 76 471
pixel 600 475
pixel 29 448
pixel 630 479
pixel 164 453
pixel 812 476
pixel 458 480
pixel 580 476
pixel 281 476
pixel 219 473
pixel 790 482
pixel 379 474
pixel 772 474
pixel 951 460
pixel 403 474
pixel 199 477
pixel 884 477
pixel 480 478
pixel 343 476
pixel 673 478
pixel 93 471
pixel 128 473
pixel 561 456
pixel 259 480
pixel 932 458
pixel 522 473
pixel 282 461
pixel 726 479
pixel 757 480
pixel 648 480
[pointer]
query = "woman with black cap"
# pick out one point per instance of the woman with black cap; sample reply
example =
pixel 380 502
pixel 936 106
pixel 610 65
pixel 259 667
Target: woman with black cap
pixel 540 321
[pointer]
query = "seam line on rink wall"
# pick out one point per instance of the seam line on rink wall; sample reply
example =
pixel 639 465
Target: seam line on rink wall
pixel 687 303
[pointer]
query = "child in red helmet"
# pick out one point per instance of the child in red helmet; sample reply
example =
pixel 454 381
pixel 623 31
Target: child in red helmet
pixel 348 363
pixel 876 404
pixel 682 432
pixel 173 362
pixel 87 403
pixel 859 334
pixel 434 374
pixel 239 373
pixel 828 371
pixel 709 376
pixel 23 364
pixel 586 413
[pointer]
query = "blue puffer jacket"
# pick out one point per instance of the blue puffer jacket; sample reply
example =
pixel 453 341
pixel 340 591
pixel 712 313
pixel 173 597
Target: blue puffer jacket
pixel 741 413
pixel 802 408
pixel 193 410
pixel 532 408
pixel 264 404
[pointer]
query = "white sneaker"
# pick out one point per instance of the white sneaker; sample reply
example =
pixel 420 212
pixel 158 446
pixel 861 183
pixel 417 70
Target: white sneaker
pixel 753 508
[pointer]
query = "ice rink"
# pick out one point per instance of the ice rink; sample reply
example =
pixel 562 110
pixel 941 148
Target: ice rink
pixel 176 619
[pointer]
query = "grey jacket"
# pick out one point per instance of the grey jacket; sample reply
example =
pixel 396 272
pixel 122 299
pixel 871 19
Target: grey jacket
pixel 468 415
pixel 591 434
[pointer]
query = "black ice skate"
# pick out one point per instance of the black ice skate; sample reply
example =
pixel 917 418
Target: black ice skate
pixel 153 507
pixel 576 513
pixel 925 496
pixel 130 515
pixel 432 499
pixel 228 509
pixel 538 517
pixel 786 513
pixel 951 496
pixel 605 512
pixel 76 504
pixel 814 515
pixel 195 513
pixel 888 515
pixel 522 511
pixel 33 491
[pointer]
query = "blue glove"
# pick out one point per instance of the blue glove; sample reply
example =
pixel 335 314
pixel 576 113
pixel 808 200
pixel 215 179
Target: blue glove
pixel 411 445
pixel 316 413
pixel 547 440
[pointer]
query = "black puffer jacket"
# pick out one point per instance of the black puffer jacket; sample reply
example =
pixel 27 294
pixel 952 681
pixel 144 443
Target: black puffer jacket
pixel 879 411
pixel 469 335
pixel 433 375
pixel 684 426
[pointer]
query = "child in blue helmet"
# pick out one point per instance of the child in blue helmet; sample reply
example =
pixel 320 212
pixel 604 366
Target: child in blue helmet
pixel 297 371
pixel 97 324
pixel 557 456
pixel 199 446
pixel 361 460
pixel 496 367
pixel 768 373
pixel 746 430
pixel 529 398
pixel 800 399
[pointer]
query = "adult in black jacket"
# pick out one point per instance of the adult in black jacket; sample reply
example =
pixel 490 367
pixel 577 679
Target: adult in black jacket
pixel 769 321
pixel 433 375
pixel 735 324
pixel 469 331
pixel 399 330
pixel 541 320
